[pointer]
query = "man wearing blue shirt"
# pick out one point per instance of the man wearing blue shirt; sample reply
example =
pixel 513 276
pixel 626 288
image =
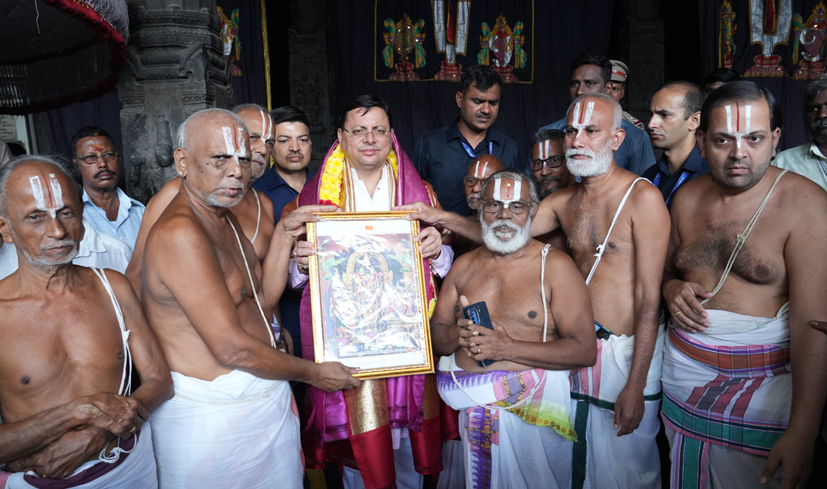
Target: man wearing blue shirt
pixel 107 208
pixel 592 73
pixel 676 114
pixel 282 184
pixel 442 157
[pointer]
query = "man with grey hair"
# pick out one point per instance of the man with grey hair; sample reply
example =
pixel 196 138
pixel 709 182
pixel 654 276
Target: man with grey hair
pixel 255 210
pixel 70 338
pixel 809 159
pixel 611 212
pixel 232 421
pixel 510 381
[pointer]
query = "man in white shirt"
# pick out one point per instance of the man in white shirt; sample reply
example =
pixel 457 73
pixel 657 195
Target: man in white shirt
pixel 366 170
pixel 107 207
pixel 809 159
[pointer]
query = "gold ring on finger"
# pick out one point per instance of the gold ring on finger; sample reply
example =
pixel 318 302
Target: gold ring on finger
pixel 677 313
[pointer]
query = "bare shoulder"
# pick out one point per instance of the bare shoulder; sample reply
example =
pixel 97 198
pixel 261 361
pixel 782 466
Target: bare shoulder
pixel 178 231
pixel 690 195
pixel 267 205
pixel 801 191
pixel 161 200
pixel 120 285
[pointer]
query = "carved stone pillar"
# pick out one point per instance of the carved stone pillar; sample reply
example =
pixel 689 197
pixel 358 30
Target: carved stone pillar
pixel 645 54
pixel 174 67
pixel 311 88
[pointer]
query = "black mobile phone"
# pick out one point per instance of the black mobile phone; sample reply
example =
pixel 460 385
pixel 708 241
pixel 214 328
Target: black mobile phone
pixel 478 314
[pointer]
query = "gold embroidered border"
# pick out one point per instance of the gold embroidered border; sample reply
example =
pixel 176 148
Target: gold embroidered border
pixel 367 406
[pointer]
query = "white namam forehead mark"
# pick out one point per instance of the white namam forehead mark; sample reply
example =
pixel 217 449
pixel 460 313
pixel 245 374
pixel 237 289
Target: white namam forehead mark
pixel 235 145
pixel 479 173
pixel 579 122
pixel 55 194
pixel 266 126
pixel 737 133
pixel 508 194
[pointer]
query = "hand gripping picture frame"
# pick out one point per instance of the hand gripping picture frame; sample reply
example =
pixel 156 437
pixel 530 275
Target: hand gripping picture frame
pixel 368 295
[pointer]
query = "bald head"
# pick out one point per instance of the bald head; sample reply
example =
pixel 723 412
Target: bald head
pixel 585 106
pixel 214 157
pixel 41 213
pixel 194 125
pixel 478 172
pixel 262 136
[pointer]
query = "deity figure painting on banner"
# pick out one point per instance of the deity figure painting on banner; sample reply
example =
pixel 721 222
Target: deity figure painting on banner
pixel 500 46
pixel 770 23
pixel 230 38
pixel 405 38
pixel 808 43
pixel 726 39
pixel 451 36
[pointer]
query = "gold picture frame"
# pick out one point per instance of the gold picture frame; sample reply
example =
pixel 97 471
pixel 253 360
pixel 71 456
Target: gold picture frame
pixel 368 295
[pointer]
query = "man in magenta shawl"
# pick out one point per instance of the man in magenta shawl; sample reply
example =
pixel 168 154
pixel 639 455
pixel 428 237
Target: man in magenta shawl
pixel 386 432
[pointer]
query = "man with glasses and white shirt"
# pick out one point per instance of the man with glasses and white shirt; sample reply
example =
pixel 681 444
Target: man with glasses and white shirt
pixel 106 207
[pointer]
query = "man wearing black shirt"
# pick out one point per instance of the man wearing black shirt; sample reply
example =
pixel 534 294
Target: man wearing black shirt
pixel 676 114
pixel 442 157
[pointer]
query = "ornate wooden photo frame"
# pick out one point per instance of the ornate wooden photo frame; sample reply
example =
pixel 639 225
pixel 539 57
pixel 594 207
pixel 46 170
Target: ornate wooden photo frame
pixel 368 294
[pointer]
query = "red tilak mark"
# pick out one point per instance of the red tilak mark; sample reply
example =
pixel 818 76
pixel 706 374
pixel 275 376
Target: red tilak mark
pixel 48 186
pixel 737 117
pixel 508 191
pixel 235 140
pixel 583 114
pixel 97 148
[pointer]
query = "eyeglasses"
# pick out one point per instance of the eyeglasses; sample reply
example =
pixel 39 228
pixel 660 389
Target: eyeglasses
pixel 471 180
pixel 379 133
pixel 92 159
pixel 495 207
pixel 551 162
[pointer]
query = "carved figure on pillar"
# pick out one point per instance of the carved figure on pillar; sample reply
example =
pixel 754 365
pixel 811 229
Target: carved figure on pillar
pixel 174 67
pixel 451 36
pixel 770 22
pixel 809 42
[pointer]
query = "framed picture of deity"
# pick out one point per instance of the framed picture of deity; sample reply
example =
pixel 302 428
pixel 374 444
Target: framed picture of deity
pixel 368 294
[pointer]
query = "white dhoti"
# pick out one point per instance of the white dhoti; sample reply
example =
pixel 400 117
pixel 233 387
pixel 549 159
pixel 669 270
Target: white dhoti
pixel 237 431
pixel 727 398
pixel 600 458
pixel 524 447
pixel 128 466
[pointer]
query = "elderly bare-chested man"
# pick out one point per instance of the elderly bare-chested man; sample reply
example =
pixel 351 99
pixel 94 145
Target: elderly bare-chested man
pixel 254 212
pixel 70 336
pixel 744 374
pixel 616 226
pixel 542 328
pixel 231 422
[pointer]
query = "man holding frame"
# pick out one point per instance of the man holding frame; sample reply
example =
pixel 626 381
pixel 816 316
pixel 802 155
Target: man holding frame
pixel 397 427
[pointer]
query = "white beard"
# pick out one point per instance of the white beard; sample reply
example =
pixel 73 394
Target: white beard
pixel 494 241
pixel 597 164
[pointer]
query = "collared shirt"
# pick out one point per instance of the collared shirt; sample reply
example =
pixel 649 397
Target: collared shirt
pixel 125 227
pixel 806 160
pixel 634 154
pixel 279 191
pixel 441 160
pixel 95 250
pixel 694 166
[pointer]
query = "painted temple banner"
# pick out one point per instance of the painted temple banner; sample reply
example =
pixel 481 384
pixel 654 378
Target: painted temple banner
pixel 433 40
pixel 772 38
